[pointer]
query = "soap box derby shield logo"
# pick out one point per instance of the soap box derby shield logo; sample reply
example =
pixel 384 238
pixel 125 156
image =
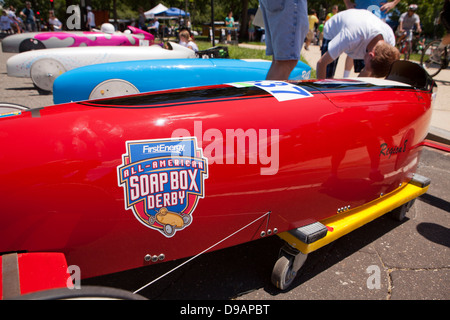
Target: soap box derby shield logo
pixel 163 179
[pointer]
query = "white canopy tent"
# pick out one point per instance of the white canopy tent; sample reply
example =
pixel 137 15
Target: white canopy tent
pixel 156 10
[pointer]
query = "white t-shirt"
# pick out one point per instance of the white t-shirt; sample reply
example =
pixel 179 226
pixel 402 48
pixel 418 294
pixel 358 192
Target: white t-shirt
pixel 189 44
pixel 55 22
pixel 351 30
pixel 409 22
pixel 91 19
pixel 5 23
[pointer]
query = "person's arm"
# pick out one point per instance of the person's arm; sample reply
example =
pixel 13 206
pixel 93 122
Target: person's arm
pixel 349 4
pixel 400 26
pixel 418 28
pixel 322 64
pixel 388 6
pixel 365 73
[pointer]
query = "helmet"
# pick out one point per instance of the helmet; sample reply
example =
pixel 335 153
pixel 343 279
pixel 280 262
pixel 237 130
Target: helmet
pixel 107 28
pixel 412 7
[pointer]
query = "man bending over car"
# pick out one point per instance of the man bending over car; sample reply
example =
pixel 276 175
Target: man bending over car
pixel 361 35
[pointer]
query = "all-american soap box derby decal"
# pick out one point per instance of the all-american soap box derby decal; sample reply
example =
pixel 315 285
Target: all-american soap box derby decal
pixel 163 179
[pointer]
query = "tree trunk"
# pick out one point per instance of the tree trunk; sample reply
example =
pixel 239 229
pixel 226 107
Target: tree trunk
pixel 243 30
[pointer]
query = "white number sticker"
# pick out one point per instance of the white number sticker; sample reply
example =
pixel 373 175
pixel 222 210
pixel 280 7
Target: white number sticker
pixel 282 91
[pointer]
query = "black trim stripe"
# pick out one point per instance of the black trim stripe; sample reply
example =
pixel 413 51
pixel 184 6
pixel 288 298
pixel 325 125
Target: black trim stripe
pixel 161 99
pixel 174 104
pixel 224 93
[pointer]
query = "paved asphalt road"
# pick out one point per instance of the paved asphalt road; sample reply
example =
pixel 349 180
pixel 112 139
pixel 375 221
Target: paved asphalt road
pixel 412 257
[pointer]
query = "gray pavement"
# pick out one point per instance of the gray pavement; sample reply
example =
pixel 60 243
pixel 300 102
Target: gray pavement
pixel 409 259
pixel 20 90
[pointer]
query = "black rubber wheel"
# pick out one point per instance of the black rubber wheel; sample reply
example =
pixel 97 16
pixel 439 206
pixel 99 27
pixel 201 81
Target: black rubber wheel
pixel 283 274
pixel 431 66
pixel 84 293
pixel 399 213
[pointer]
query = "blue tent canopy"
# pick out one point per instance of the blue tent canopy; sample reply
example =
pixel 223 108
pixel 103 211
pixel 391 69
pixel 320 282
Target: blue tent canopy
pixel 171 12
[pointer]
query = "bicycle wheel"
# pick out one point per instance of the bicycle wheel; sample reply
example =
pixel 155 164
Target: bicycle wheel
pixel 431 65
pixel 408 48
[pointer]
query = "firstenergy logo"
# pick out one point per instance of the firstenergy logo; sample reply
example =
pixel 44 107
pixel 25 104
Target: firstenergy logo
pixel 163 148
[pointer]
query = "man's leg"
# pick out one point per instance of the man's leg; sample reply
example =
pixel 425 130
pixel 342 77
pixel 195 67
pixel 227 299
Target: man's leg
pixel 281 69
pixel 286 24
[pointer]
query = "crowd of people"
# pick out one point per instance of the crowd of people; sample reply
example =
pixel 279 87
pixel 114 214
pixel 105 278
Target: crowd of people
pixel 360 31
pixel 27 20
pixel 10 23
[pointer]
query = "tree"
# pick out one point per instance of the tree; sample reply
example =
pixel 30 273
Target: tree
pixel 429 13
pixel 200 10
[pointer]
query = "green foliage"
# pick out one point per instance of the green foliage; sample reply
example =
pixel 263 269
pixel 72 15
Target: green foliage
pixel 428 12
pixel 237 52
pixel 201 9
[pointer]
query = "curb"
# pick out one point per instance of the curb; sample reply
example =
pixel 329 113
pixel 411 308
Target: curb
pixel 438 135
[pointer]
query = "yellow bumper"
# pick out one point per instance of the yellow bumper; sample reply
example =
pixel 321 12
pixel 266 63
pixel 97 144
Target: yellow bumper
pixel 343 223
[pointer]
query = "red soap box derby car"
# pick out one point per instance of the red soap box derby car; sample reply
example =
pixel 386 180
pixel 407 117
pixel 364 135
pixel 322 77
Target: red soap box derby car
pixel 115 184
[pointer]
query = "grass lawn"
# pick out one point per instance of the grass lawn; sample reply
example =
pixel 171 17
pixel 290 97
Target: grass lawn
pixel 237 52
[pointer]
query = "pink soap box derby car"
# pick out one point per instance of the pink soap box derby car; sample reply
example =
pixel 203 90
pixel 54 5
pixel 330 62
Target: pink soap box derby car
pixel 107 36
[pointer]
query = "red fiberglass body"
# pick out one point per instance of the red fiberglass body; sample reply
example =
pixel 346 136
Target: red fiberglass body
pixel 171 173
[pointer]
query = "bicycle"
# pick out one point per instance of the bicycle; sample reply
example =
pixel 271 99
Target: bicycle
pixel 409 43
pixel 432 61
